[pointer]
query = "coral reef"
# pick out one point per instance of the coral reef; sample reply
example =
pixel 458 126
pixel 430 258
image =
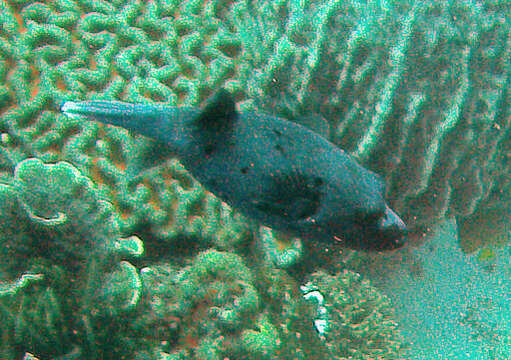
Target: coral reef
pixel 176 52
pixel 67 292
pixel 217 308
pixel 62 272
pixel 359 319
pixel 440 137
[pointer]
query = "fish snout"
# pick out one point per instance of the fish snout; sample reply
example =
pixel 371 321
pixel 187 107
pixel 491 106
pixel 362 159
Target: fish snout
pixel 392 230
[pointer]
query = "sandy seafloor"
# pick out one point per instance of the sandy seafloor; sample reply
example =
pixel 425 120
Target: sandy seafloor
pixel 459 308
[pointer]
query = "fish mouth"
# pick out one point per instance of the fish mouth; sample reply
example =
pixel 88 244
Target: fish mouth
pixel 390 220
pixel 392 231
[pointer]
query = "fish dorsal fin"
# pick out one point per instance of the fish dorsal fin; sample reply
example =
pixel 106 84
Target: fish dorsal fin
pixel 215 120
pixel 218 112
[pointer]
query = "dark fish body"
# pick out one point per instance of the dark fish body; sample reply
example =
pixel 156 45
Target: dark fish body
pixel 275 171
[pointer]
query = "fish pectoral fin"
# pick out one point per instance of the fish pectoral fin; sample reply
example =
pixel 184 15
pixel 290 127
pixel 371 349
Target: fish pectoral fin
pixel 294 196
pixel 270 208
pixel 293 209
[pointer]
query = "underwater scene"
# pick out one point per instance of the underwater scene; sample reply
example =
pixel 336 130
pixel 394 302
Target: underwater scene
pixel 255 180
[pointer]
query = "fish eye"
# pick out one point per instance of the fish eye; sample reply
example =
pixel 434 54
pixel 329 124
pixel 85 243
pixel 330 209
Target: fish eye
pixel 208 149
pixel 318 181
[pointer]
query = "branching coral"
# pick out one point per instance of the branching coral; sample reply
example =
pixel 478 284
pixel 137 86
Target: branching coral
pixel 204 308
pixel 216 308
pixel 213 309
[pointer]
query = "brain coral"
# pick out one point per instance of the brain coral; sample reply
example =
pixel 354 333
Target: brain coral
pixel 176 52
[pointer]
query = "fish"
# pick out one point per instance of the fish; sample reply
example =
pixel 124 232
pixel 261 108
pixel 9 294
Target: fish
pixel 275 171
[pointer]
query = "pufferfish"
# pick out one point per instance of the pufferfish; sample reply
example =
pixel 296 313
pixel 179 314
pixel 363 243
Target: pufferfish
pixel 277 172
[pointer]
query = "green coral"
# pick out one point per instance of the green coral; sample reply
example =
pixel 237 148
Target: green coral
pixel 208 300
pixel 360 319
pixel 213 309
pixel 62 251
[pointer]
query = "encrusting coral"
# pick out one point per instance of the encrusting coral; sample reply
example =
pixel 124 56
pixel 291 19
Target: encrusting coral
pixel 62 262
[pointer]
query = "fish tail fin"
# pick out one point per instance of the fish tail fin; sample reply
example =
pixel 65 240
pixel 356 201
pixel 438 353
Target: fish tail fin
pixel 141 118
